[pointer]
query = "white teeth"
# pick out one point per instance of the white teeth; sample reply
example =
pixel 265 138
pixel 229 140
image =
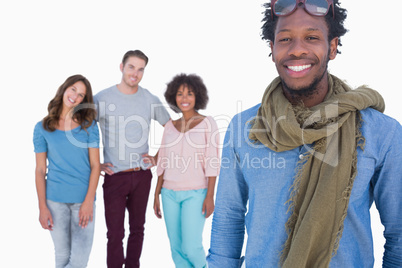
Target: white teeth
pixel 71 100
pixel 299 68
pixel 185 104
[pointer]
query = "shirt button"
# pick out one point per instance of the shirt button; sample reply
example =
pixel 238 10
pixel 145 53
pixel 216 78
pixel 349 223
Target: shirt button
pixel 301 156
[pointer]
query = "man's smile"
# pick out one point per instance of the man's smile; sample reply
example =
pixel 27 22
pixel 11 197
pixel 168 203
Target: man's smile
pixel 299 68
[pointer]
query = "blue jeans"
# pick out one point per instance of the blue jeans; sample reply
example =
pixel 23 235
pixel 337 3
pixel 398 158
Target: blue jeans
pixel 72 244
pixel 184 220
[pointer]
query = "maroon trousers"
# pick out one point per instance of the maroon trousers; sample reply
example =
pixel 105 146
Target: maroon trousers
pixel 120 191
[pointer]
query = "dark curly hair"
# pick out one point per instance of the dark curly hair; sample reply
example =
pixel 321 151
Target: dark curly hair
pixel 335 25
pixel 193 83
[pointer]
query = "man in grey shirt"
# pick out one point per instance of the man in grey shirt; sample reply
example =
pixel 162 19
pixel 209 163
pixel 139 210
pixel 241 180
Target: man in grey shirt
pixel 124 115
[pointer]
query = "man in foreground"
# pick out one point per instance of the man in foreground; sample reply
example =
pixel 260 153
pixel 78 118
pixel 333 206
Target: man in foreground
pixel 302 168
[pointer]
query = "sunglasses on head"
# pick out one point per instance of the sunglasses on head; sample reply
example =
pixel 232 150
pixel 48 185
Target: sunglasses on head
pixel 319 8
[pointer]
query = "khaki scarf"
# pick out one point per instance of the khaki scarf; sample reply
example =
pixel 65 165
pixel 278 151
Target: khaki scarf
pixel 323 182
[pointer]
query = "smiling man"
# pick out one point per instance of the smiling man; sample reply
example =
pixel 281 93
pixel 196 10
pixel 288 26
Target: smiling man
pixel 338 154
pixel 124 114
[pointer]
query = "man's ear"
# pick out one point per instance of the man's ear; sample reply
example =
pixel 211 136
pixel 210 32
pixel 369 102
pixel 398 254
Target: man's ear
pixel 121 67
pixel 333 48
pixel 271 45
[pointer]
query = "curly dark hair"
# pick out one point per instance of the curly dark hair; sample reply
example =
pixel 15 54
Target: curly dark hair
pixel 194 83
pixel 335 25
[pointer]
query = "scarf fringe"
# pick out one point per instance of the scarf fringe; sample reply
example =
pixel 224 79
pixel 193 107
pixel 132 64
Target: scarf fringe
pixel 319 145
pixel 360 143
pixel 294 190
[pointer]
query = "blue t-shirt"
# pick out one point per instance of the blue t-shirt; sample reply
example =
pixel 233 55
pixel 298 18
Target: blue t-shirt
pixel 68 167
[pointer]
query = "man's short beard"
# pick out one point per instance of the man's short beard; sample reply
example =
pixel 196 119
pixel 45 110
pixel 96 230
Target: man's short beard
pixel 304 92
pixel 307 91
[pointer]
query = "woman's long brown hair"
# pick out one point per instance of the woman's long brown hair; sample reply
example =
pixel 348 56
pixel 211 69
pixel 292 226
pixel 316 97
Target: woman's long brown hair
pixel 84 113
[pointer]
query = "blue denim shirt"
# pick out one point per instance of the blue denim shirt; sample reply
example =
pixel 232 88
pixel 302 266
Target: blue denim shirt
pixel 254 186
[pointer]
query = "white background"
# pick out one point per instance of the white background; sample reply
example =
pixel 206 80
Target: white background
pixel 44 42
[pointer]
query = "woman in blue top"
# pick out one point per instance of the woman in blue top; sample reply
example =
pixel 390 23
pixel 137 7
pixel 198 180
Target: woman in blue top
pixel 68 138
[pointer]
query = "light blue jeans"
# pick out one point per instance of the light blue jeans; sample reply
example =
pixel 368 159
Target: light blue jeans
pixel 184 220
pixel 72 244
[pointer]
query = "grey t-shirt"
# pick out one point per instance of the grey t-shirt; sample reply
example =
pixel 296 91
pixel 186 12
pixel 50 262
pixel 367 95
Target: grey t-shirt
pixel 124 121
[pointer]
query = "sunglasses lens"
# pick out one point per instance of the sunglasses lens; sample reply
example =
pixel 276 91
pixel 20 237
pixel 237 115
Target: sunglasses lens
pixel 317 7
pixel 284 7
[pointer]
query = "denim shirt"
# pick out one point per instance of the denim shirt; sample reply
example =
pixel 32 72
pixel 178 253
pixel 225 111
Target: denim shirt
pixel 254 186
